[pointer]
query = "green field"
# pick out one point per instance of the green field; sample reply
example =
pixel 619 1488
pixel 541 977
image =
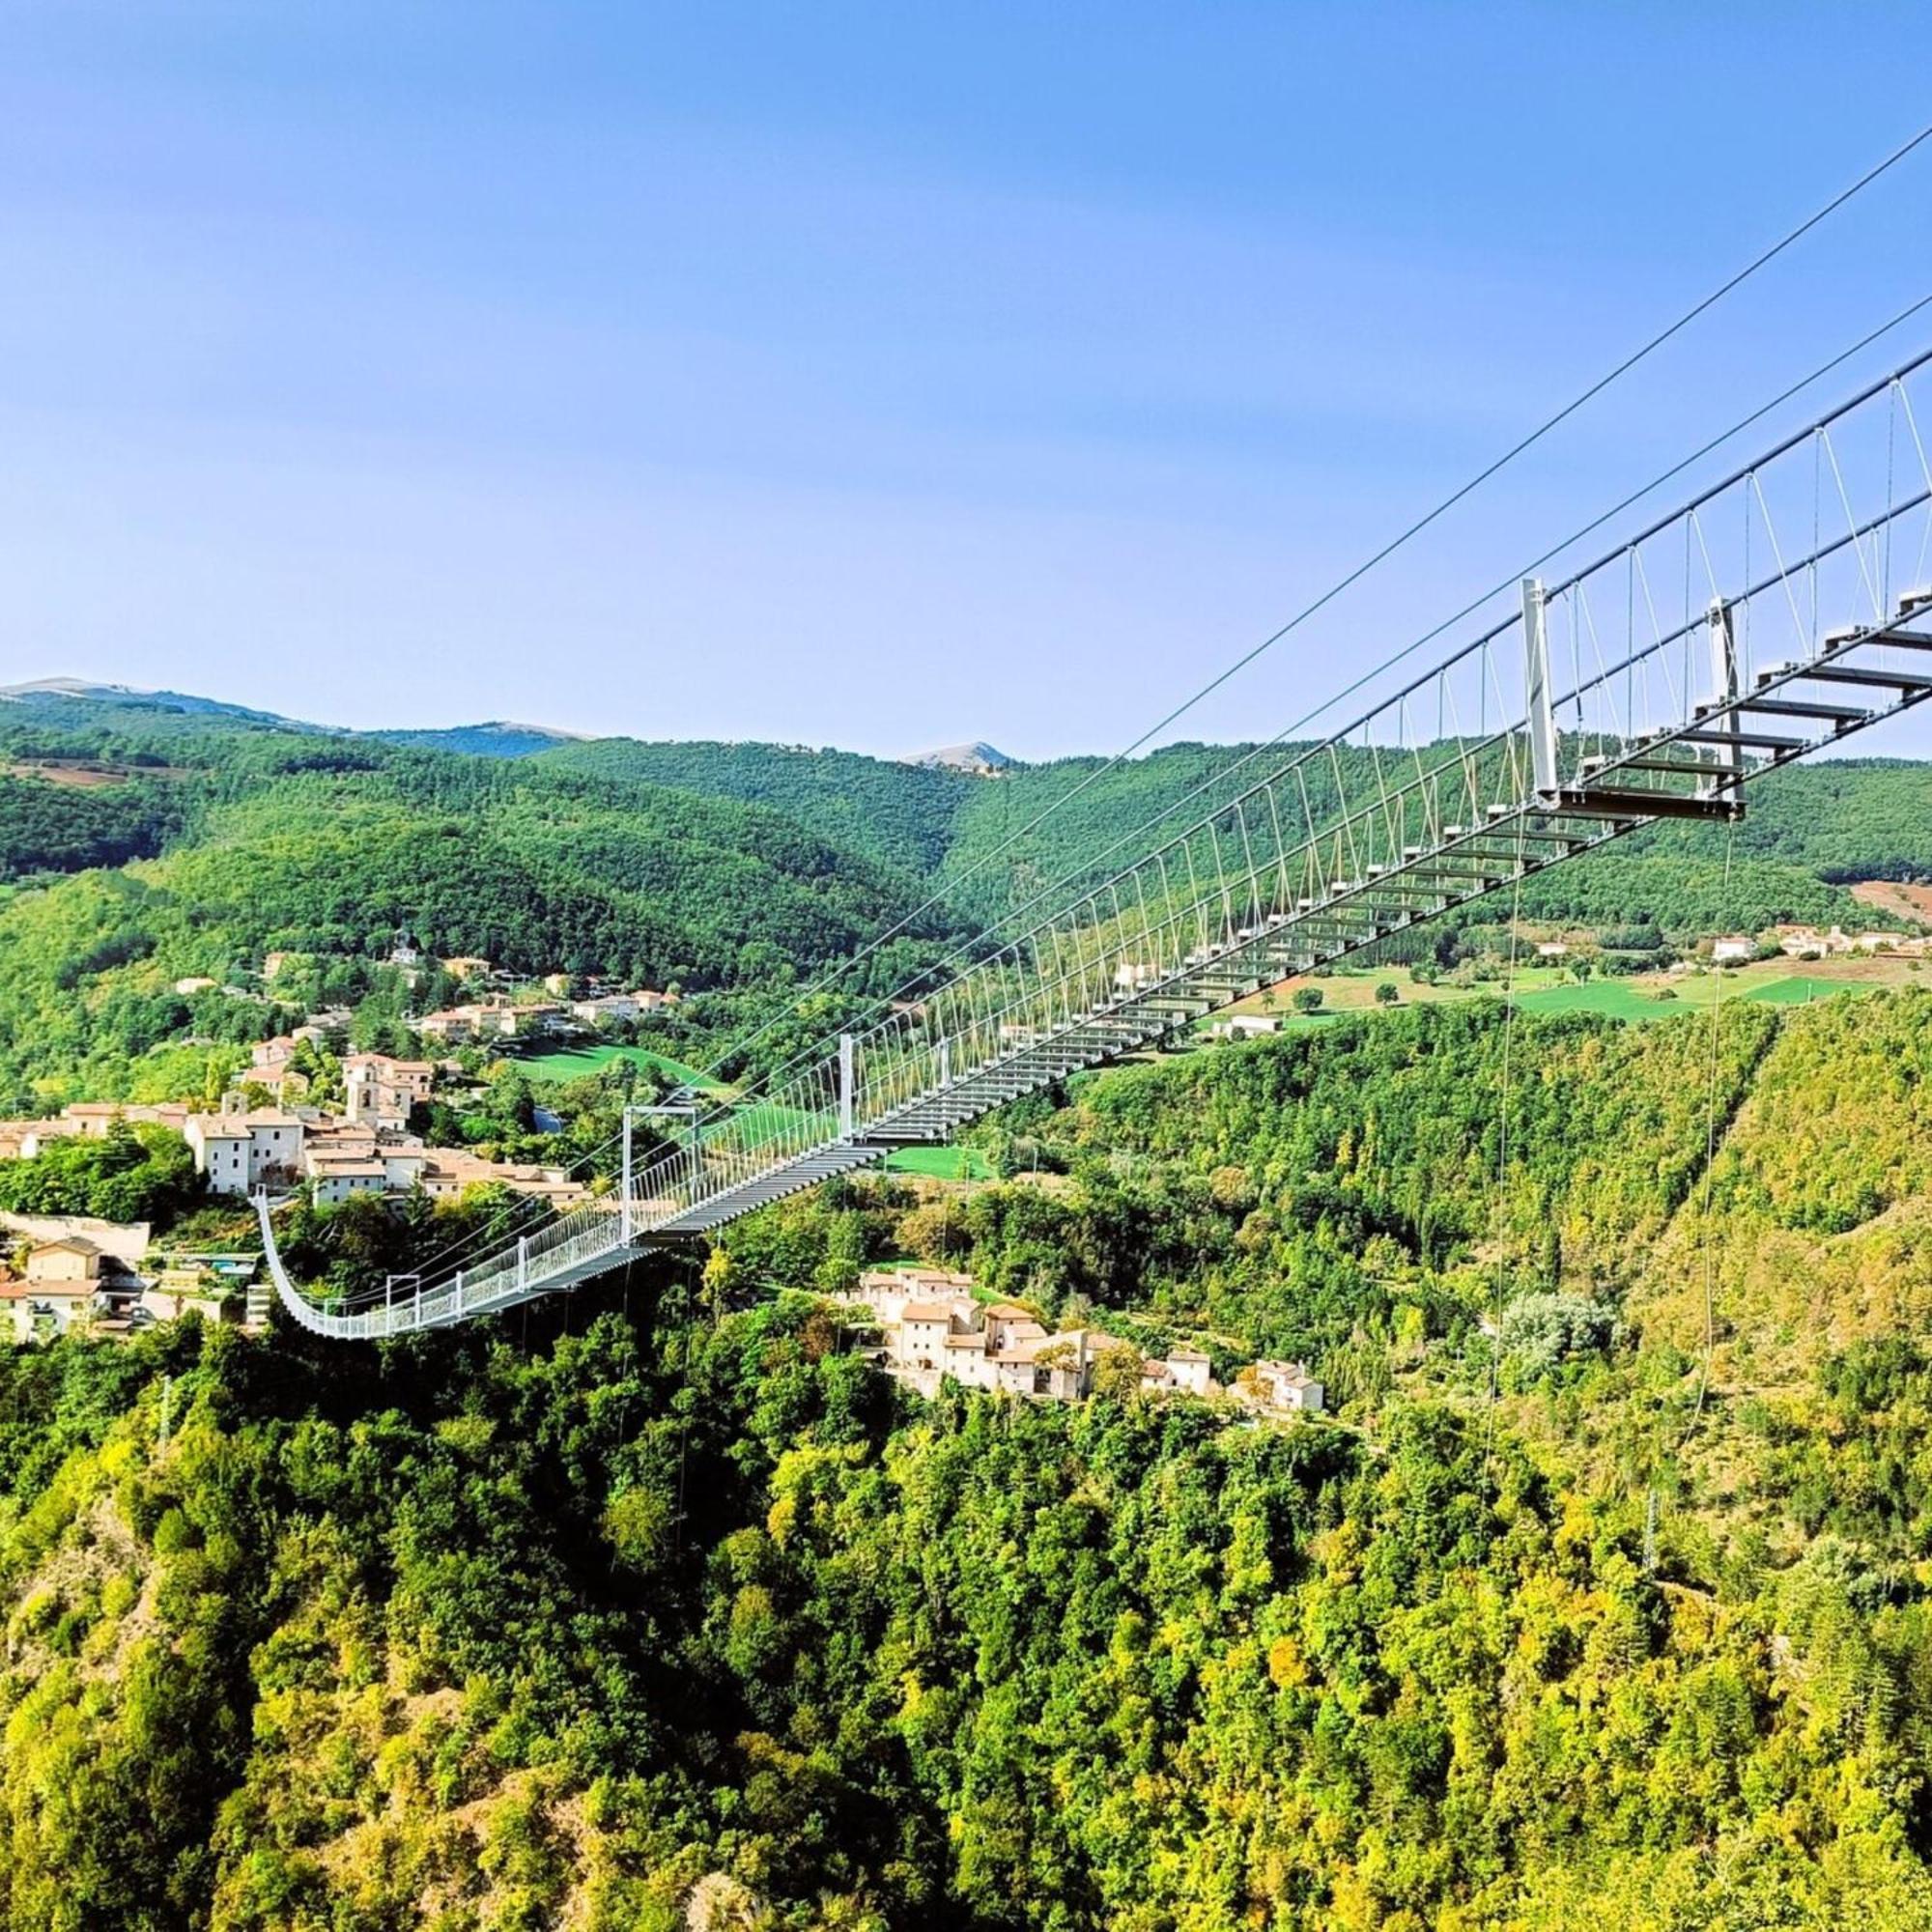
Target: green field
pixel 940 1163
pixel 1800 989
pixel 1616 999
pixel 575 1062
pixel 1551 989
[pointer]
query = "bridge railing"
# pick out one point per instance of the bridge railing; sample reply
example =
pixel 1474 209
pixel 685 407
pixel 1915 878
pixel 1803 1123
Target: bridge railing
pixel 1591 697
pixel 1813 527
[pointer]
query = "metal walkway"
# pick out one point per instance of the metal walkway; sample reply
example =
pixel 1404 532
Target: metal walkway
pixel 1466 779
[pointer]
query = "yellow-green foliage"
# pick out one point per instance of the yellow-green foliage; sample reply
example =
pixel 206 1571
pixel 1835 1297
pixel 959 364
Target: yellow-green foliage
pixel 667 1622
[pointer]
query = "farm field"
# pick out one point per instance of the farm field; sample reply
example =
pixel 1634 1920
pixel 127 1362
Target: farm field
pixel 1550 989
pixel 577 1062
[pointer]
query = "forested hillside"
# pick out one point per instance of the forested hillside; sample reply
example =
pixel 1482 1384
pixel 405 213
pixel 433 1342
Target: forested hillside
pixel 904 816
pixel 1809 830
pixel 218 844
pixel 655 1607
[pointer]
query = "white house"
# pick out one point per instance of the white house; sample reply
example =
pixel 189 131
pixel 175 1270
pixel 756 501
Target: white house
pixel 1732 949
pixel 1284 1386
pixel 1009 1324
pixel 1190 1370
pixel 339 1177
pixel 1245 1026
pixel 22 1140
pixel 239 1152
pixel 39 1310
pixel 604 1007
pixel 924 1326
pixel 1014 1370
pixel 966 1360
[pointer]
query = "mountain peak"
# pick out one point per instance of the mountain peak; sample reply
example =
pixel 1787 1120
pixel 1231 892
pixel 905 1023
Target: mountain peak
pixel 979 758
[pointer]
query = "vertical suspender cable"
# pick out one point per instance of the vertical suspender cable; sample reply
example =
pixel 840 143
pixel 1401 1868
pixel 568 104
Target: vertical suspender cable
pixel 1710 1255
pixel 1500 1205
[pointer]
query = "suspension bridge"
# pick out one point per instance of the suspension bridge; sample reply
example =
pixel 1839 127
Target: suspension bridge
pixel 1778 614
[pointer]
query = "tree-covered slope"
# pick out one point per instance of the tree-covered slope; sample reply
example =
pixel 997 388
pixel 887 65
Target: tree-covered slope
pixel 259 841
pixel 628 1613
pixel 902 815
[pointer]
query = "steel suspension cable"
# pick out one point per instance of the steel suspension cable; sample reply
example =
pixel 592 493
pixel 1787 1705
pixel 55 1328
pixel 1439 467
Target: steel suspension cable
pixel 1361 570
pixel 964 953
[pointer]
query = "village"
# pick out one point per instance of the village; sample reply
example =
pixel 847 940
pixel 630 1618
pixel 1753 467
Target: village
pixel 270 1132
pixel 931 1328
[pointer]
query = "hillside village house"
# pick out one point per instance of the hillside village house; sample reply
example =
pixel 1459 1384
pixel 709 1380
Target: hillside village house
pixel 924 1326
pixel 490 1019
pixel 600 1007
pixel 1245 1026
pixel 1806 941
pixel 90 1120
pixel 242 1152
pixel 66 1271
pixel 606 1007
pixel 95 1118
pixel 1285 1387
pixel 1184 1371
pixel 1732 949
pixel 453 1026
pixel 40 1309
pixel 22 1140
pixel 933 1330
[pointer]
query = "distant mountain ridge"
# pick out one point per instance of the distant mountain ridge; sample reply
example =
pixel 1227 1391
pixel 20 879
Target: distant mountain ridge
pixel 496 738
pixel 989 849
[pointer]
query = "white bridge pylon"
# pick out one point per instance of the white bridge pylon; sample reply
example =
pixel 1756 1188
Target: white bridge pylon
pixel 1778 614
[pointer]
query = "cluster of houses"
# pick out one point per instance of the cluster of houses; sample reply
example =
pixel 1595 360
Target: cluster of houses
pixel 506 1008
pixel 1806 941
pixel 933 1329
pixel 61 1273
pixel 367 1149
pixel 498 1016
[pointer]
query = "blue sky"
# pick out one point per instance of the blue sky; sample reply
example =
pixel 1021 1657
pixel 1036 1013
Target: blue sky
pixel 872 374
